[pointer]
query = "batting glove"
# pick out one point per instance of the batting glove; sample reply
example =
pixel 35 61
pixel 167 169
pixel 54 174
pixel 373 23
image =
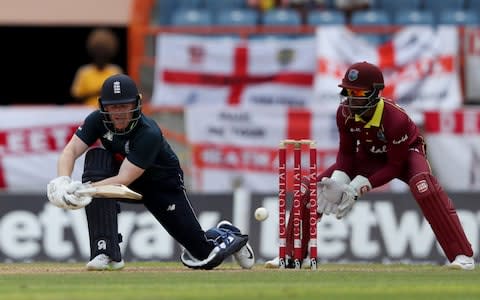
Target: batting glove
pixel 60 192
pixel 76 202
pixel 56 189
pixel 73 200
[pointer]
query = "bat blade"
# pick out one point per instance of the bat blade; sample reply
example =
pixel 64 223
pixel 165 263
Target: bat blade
pixel 110 191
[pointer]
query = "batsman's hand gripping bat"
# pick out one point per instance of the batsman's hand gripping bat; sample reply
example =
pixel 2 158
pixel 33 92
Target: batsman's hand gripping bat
pixel 110 191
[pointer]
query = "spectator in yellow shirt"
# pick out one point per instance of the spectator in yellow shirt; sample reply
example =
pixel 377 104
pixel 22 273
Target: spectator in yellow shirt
pixel 102 46
pixel 263 5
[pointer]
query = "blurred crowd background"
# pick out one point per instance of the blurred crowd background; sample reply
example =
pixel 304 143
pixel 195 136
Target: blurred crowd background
pixel 46 43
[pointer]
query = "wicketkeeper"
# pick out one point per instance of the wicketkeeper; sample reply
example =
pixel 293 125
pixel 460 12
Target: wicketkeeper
pixel 135 153
pixel 379 142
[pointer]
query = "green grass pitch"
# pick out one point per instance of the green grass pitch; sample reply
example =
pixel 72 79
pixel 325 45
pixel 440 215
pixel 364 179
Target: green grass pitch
pixel 167 280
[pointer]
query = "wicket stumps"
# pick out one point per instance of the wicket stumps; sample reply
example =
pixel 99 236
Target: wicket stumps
pixel 296 208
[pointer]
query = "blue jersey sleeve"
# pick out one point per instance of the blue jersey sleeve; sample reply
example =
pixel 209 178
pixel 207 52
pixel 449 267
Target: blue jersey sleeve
pixel 91 129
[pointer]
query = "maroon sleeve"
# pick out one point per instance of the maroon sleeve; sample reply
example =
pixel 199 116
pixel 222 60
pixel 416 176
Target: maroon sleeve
pixel 400 132
pixel 347 145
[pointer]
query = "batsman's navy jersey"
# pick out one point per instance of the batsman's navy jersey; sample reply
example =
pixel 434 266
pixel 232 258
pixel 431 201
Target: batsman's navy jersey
pixel 145 147
pixel 381 144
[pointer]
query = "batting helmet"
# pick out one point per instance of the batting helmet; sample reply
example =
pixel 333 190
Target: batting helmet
pixel 119 89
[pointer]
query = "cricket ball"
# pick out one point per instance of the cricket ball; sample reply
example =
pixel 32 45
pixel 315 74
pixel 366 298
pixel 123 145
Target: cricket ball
pixel 261 214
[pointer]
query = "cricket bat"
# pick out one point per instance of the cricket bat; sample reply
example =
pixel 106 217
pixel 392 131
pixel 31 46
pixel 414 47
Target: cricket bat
pixel 110 191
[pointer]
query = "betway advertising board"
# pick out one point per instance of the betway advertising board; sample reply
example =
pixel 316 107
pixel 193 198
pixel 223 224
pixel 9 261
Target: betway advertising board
pixel 383 227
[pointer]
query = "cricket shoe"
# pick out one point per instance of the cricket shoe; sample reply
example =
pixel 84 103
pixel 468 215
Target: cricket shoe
pixel 102 262
pixel 275 263
pixel 462 262
pixel 226 244
pixel 245 257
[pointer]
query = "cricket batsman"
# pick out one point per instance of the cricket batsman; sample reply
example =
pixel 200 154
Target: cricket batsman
pixel 135 153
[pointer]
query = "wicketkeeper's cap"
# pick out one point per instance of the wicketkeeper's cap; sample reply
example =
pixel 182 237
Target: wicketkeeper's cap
pixel 364 76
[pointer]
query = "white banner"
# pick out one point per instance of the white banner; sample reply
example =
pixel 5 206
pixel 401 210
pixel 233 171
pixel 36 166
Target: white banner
pixel 215 70
pixel 234 146
pixel 420 65
pixel 31 139
pixel 453 139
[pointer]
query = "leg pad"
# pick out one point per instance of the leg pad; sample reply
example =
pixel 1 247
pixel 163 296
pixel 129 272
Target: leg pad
pixel 102 214
pixel 99 164
pixel 103 228
pixel 439 211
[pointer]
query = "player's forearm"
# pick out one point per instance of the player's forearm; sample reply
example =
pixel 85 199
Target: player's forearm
pixel 112 180
pixel 66 163
pixel 118 179
pixel 127 174
pixel 73 150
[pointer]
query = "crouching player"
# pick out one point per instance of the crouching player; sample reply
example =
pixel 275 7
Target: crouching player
pixel 135 153
pixel 379 142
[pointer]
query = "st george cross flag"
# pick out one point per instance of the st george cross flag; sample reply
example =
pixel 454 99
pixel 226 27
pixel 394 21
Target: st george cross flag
pixel 420 65
pixel 226 70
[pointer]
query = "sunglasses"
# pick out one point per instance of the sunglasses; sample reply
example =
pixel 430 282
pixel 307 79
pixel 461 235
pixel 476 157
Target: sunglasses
pixel 357 93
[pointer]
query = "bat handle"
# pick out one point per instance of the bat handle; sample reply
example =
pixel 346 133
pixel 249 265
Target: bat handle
pixel 86 192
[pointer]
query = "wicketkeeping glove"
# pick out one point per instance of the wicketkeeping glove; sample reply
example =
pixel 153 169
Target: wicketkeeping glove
pixel 358 186
pixel 339 197
pixel 324 206
pixel 346 205
pixel 331 190
pixel 329 196
pixel 361 184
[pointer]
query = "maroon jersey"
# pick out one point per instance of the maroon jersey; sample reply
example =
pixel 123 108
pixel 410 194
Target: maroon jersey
pixel 381 143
